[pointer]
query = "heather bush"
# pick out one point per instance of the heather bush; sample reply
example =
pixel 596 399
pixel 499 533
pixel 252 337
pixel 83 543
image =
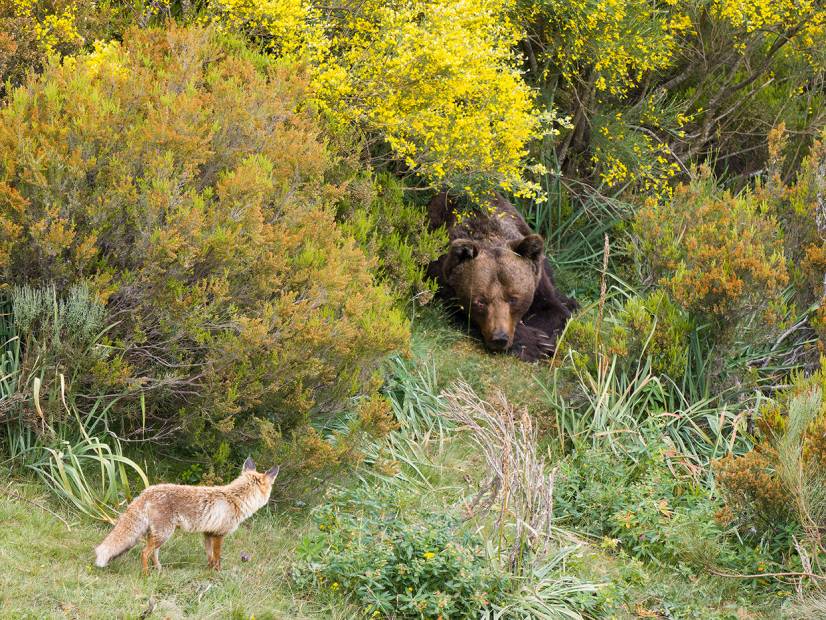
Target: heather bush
pixel 778 486
pixel 719 256
pixel 182 178
pixel 801 210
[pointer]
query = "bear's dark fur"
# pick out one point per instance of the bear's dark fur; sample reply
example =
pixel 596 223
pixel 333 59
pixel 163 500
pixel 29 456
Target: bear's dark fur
pixel 497 272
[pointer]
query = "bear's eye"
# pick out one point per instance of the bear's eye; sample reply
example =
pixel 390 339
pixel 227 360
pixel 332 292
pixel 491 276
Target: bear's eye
pixel 480 303
pixel 513 301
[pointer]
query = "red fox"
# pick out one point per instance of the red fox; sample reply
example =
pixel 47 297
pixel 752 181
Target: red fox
pixel 214 511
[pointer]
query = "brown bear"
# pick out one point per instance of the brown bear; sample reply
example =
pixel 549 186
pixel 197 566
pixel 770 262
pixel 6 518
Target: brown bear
pixel 497 272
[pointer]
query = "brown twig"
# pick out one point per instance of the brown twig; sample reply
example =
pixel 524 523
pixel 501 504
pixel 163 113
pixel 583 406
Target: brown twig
pixel 759 575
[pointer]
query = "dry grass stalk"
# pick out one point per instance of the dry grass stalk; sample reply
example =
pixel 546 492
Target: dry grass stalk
pixel 516 472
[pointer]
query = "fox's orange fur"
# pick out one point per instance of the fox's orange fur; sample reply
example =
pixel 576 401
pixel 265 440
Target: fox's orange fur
pixel 213 511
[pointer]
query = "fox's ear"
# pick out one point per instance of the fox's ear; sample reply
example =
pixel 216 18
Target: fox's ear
pixel 273 472
pixel 249 464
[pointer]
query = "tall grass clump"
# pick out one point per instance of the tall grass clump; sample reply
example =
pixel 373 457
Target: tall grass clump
pixel 409 454
pixel 78 458
pixel 83 463
pixel 517 488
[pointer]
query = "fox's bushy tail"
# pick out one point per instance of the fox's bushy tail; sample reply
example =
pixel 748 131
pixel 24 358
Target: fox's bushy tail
pixel 125 535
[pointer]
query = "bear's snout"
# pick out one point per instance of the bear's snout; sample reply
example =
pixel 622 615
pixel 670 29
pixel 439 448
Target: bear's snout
pixel 499 340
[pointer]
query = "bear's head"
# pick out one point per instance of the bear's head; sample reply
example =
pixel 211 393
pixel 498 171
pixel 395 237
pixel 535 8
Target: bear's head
pixel 495 285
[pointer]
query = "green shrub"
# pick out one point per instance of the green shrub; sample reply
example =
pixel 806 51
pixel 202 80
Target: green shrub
pixel 182 178
pixel 396 232
pixel 61 335
pixel 395 563
pixel 637 507
pixel 651 509
pixel 650 327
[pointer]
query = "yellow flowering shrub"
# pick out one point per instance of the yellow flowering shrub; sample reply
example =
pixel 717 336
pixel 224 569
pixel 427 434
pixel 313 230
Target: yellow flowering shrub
pixel 31 30
pixel 654 87
pixel 434 82
pixel 611 43
pixel 622 156
pixel 750 16
pixel 54 24
pixel 437 81
pixel 287 28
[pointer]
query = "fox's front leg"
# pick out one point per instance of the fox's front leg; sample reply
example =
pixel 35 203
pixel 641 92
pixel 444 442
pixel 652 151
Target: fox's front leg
pixel 151 549
pixel 216 552
pixel 154 540
pixel 208 548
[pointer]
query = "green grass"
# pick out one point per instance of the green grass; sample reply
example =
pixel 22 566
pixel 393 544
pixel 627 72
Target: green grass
pixel 48 571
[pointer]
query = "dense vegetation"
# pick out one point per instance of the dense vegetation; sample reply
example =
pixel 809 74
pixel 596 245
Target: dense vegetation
pixel 213 243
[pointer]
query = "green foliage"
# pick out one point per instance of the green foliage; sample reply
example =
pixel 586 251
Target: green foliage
pixel 398 564
pixel 650 327
pixel 641 508
pixel 396 232
pixel 181 177
pixel 652 510
pixel 60 335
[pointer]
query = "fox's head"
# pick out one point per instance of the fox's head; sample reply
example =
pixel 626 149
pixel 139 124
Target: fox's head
pixel 260 481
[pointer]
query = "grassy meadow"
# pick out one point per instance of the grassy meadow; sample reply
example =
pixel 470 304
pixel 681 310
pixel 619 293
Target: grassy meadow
pixel 219 241
pixel 48 549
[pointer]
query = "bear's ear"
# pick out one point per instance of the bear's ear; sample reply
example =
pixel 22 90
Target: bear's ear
pixel 462 250
pixel 530 247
